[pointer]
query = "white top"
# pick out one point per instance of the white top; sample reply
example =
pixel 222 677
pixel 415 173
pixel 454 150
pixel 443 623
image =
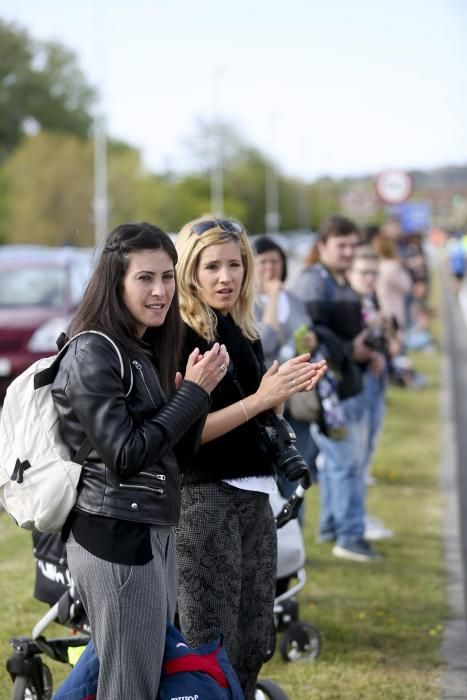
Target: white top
pixel 263 484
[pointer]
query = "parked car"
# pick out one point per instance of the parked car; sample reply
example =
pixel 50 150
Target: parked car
pixel 39 289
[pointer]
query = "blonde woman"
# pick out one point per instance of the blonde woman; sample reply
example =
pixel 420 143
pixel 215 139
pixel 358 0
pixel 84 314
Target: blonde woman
pixel 226 540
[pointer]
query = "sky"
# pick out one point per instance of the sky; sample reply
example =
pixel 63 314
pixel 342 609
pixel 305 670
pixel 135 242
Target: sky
pixel 322 87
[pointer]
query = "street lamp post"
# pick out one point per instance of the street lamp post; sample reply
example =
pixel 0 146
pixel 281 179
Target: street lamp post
pixel 100 128
pixel 272 217
pixel 217 175
pixel 100 180
pixel 217 146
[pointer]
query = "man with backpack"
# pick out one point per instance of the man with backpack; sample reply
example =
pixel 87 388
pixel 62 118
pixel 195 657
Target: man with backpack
pixel 335 310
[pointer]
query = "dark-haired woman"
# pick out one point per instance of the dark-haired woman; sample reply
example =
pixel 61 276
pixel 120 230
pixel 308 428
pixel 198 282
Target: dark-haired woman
pixel 120 546
pixel 280 314
pixel 278 311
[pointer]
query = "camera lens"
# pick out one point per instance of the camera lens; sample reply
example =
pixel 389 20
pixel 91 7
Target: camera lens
pixel 288 459
pixel 292 465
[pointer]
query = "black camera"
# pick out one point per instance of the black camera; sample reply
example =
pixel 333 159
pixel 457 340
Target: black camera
pixel 280 439
pixel 376 340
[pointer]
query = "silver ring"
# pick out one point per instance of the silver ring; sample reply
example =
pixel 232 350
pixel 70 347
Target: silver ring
pixel 222 367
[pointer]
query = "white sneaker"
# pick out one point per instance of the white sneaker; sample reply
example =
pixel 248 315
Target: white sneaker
pixel 356 551
pixel 375 529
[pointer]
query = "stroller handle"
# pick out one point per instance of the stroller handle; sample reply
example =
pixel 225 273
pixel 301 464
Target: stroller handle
pixel 64 610
pixel 49 617
pixel 292 506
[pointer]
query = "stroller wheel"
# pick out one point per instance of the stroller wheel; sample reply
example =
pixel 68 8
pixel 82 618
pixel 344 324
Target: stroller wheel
pixel 25 689
pixel 268 690
pixel 300 642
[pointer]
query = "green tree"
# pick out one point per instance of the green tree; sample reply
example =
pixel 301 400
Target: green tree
pixel 245 182
pixel 50 190
pixel 323 200
pixel 3 206
pixel 41 87
pixel 243 170
pixel 293 204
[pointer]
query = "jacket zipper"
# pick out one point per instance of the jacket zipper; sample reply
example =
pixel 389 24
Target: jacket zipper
pixel 160 477
pixel 139 367
pixel 137 487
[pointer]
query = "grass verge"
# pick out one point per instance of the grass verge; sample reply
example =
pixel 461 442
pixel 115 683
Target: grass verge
pixel 381 623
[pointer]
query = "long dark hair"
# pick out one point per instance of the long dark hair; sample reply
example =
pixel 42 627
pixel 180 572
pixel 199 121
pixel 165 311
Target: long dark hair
pixel 102 307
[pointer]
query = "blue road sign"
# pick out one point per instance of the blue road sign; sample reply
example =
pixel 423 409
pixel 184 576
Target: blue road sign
pixel 413 216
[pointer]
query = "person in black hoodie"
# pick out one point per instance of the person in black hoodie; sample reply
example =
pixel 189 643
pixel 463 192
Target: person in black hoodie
pixel 226 539
pixel 336 312
pixel 120 539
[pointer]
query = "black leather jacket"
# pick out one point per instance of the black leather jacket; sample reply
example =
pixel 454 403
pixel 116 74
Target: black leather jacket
pixel 131 472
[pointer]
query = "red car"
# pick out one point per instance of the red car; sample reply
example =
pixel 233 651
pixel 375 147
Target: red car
pixel 39 289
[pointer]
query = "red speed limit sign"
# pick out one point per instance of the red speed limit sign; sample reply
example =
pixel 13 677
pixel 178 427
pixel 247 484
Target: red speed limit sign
pixel 394 186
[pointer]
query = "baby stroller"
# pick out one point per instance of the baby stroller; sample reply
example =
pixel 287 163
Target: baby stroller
pixel 32 678
pixel 300 641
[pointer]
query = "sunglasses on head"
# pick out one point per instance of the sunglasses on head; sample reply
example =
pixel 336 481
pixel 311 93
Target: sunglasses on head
pixel 228 225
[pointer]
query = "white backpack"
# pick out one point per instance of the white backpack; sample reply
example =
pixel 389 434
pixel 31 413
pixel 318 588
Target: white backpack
pixel 38 477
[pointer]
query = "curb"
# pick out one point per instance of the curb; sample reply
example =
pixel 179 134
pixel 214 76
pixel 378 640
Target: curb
pixel 454 646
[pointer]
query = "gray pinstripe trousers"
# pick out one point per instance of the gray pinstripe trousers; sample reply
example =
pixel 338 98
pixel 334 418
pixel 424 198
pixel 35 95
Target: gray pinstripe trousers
pixel 127 608
pixel 226 561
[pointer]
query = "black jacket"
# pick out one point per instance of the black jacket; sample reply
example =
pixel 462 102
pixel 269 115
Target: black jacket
pixel 240 452
pixel 131 472
pixel 336 312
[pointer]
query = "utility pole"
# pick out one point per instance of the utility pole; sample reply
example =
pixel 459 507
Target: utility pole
pixel 272 217
pixel 100 132
pixel 303 207
pixel 100 180
pixel 217 174
pixel 217 148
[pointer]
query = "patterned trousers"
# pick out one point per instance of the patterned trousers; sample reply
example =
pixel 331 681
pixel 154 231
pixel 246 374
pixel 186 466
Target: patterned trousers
pixel 227 564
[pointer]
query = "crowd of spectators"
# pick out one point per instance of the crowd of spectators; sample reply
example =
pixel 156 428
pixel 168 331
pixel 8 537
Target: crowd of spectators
pixel 360 301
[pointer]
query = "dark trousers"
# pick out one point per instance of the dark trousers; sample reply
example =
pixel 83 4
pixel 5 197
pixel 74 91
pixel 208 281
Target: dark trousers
pixel 227 564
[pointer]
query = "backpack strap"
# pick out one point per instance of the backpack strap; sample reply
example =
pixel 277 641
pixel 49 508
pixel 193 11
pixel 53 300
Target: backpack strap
pixel 83 451
pixel 329 290
pixel 47 375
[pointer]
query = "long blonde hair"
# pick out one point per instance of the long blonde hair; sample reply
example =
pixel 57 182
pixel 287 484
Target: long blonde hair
pixel 195 312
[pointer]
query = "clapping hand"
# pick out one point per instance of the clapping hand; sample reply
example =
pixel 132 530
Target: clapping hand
pixel 281 381
pixel 209 368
